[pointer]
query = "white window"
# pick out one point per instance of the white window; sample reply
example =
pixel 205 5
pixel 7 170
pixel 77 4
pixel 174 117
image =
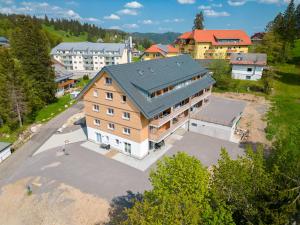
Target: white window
pixel 127 147
pixel 126 115
pixel 108 81
pixel 97 122
pixel 109 95
pixel 95 93
pixel 110 111
pixel 126 131
pixel 96 108
pixel 117 141
pixel 111 126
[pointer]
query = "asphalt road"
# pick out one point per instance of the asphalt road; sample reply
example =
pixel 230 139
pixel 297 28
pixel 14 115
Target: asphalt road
pixel 9 166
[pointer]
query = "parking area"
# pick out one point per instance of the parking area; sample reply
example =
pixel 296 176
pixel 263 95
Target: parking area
pixel 100 175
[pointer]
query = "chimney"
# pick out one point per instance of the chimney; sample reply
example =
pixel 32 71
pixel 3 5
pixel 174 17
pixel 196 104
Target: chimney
pixel 129 51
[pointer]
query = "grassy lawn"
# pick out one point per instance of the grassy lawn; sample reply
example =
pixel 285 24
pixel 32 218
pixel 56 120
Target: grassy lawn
pixel 243 86
pixel 50 111
pixel 66 36
pixel 44 115
pixel 285 115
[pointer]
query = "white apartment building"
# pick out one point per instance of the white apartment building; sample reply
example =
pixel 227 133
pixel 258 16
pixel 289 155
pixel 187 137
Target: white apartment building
pixel 89 57
pixel 248 66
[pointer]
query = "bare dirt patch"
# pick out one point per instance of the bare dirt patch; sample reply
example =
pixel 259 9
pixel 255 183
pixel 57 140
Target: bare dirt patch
pixel 50 203
pixel 254 116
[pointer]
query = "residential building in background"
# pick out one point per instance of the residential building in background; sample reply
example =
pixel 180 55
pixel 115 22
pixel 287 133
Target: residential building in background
pixel 257 37
pixel 134 107
pixel 158 51
pixel 248 66
pixel 213 44
pixel 63 78
pixel 88 57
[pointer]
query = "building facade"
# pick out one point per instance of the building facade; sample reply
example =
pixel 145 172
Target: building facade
pixel 159 51
pixel 248 66
pixel 213 44
pixel 135 107
pixel 88 56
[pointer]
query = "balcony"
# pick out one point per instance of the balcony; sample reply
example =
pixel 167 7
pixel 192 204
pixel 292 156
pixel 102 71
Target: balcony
pixel 195 100
pixel 157 136
pixel 166 117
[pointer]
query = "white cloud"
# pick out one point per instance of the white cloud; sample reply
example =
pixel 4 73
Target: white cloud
pixel 176 20
pixel 112 17
pixel 236 2
pixel 213 13
pixel 186 1
pixel 130 12
pixel 202 7
pixel 147 22
pixel 91 19
pixel 133 5
pixel 72 3
pixel 39 9
pixel 7 2
pixel 130 26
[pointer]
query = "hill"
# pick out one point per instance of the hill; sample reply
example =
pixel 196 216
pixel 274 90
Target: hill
pixel 163 38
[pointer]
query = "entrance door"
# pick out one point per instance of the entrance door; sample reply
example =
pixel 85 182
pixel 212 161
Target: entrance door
pixel 98 137
pixel 127 148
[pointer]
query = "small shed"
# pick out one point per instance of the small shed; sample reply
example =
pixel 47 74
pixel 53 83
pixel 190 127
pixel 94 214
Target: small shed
pixel 218 118
pixel 5 150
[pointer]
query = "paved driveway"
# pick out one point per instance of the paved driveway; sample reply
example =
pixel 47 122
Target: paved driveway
pixel 205 148
pixel 94 173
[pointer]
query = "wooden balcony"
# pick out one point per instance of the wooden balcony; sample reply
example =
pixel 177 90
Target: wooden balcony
pixel 175 112
pixel 161 135
pixel 195 100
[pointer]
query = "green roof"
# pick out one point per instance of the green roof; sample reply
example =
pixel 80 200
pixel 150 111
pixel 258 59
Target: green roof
pixel 142 78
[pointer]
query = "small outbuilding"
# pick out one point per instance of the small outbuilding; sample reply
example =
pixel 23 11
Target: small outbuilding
pixel 248 66
pixel 218 118
pixel 5 150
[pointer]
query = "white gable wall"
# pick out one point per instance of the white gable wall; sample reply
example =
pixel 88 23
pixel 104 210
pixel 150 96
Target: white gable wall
pixel 241 72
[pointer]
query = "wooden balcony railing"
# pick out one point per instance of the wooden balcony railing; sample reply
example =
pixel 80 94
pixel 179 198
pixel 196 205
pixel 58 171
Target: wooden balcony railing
pixel 175 112
pixel 159 136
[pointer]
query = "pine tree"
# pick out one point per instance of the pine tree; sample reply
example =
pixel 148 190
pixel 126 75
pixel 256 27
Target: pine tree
pixel 199 21
pixel 290 23
pixel 13 103
pixel 31 47
pixel 297 16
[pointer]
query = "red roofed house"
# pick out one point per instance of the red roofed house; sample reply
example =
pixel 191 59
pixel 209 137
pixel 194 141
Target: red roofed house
pixel 157 51
pixel 213 44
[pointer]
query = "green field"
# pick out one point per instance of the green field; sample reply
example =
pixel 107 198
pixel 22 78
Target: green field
pixel 66 36
pixel 50 111
pixel 285 115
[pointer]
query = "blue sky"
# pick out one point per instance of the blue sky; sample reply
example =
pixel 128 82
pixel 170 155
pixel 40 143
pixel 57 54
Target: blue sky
pixel 155 15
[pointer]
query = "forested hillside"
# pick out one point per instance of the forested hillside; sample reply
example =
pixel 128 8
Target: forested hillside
pixel 162 38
